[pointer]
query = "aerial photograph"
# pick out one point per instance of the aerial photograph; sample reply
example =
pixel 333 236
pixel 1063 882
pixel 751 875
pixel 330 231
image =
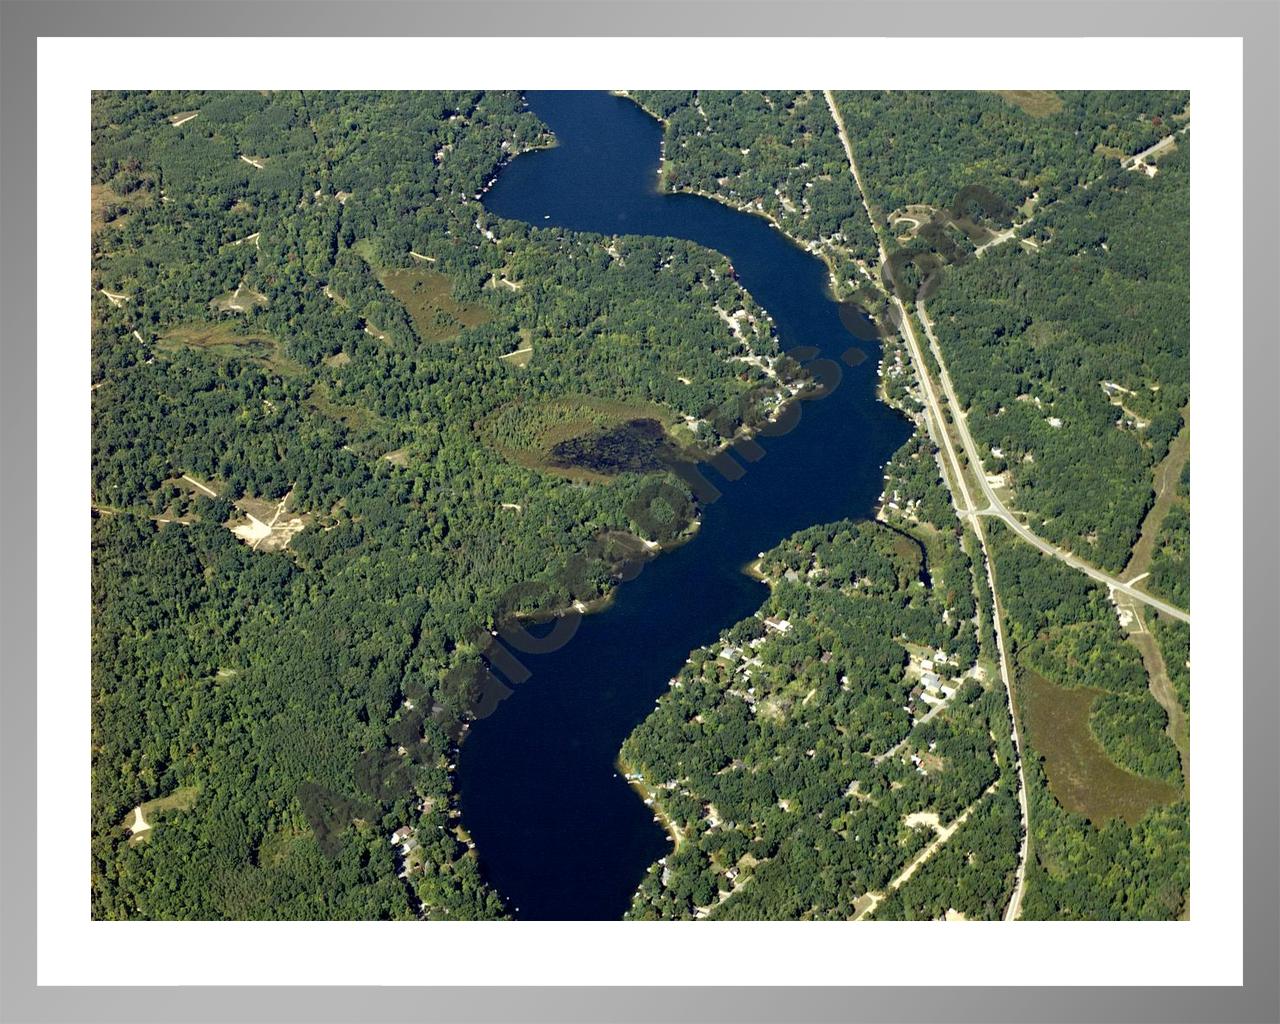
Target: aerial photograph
pixel 640 505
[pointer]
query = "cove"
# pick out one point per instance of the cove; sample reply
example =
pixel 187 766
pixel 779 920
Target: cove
pixel 559 833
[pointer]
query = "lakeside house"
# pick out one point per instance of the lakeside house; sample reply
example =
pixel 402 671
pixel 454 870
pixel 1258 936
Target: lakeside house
pixel 777 625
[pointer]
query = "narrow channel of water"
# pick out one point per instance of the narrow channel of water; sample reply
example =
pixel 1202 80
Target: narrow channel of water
pixel 558 831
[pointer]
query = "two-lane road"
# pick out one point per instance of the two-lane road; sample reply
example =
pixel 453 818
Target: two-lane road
pixel 996 508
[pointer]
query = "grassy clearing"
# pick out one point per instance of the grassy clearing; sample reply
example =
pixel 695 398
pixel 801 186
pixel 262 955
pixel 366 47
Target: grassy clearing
pixel 223 341
pixel 523 352
pixel 142 819
pixel 1081 775
pixel 526 432
pixel 356 418
pixel 107 206
pixel 1035 102
pixel 1165 484
pixel 267 525
pixel 428 296
pixel 520 357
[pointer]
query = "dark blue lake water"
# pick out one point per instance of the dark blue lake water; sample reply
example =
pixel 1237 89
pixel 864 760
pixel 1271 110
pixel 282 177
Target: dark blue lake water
pixel 559 833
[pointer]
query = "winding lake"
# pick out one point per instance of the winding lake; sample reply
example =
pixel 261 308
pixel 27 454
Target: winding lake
pixel 560 834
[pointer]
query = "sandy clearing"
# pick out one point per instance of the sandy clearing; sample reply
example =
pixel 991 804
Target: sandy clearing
pixel 273 535
pixel 180 119
pixel 252 532
pixel 929 818
pixel 140 824
pixel 115 298
pixel 252 162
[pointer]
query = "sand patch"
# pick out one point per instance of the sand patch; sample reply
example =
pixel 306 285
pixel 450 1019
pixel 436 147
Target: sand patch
pixel 929 818
pixel 265 527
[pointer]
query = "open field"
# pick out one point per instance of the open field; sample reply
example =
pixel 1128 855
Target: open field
pixel 523 353
pixel 241 300
pixel 356 418
pixel 265 527
pixel 1165 483
pixel 1036 102
pixel 1081 775
pixel 520 357
pixel 428 296
pixel 223 341
pixel 109 207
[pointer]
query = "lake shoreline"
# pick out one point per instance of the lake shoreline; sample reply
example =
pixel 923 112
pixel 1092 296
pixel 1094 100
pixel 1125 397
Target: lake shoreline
pixel 598 689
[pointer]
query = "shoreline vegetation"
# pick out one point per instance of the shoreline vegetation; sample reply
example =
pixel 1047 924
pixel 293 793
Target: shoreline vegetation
pixel 813 248
pixel 650 796
pixel 416 528
pixel 745 431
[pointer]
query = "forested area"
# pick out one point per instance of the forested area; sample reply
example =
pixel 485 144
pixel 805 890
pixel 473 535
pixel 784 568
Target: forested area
pixel 1171 557
pixel 775 153
pixel 1073 359
pixel 308 307
pixel 785 756
pixel 970 874
pixel 302 312
pixel 1124 853
pixel 924 147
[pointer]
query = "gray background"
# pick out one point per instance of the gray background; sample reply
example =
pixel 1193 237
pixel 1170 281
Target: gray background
pixel 1257 22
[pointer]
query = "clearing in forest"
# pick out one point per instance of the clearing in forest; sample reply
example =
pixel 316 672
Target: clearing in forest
pixel 241 300
pixel 142 819
pixel 428 296
pixel 223 341
pixel 1036 102
pixel 265 527
pixel 565 435
pixel 107 206
pixel 1081 775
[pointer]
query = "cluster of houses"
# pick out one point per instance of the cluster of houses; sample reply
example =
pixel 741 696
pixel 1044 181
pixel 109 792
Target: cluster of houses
pixel 933 689
pixel 743 663
pixel 908 508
